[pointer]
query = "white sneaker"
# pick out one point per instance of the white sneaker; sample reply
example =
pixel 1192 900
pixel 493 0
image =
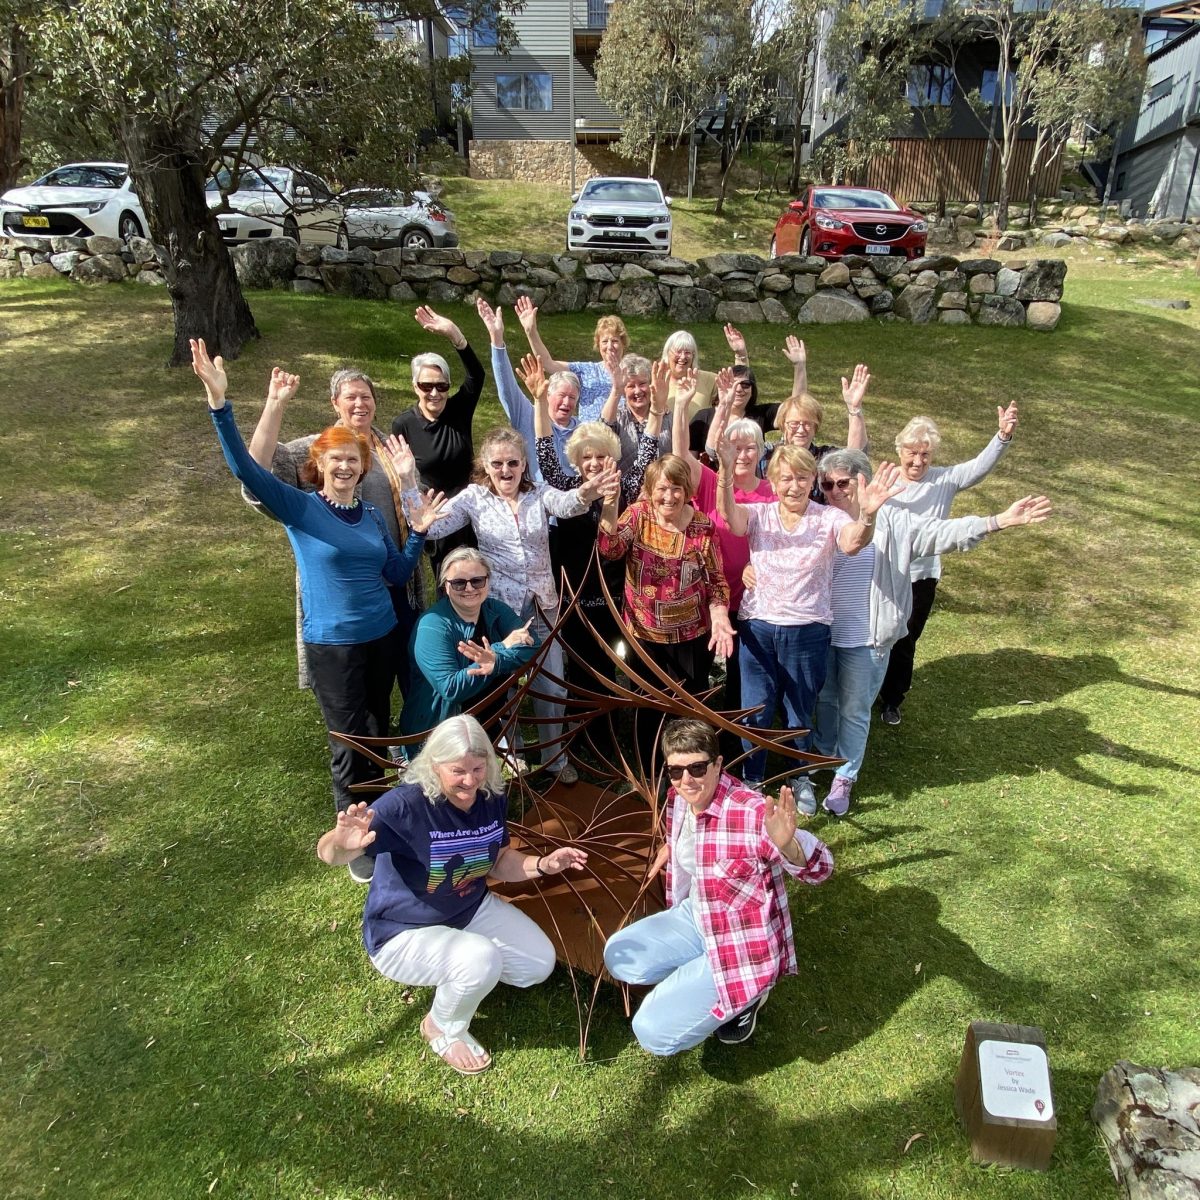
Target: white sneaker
pixel 564 771
pixel 806 798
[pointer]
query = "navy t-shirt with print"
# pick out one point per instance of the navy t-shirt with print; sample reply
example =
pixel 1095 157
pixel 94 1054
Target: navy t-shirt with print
pixel 431 861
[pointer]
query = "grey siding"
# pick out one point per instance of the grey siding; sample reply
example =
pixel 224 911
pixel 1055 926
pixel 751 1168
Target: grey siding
pixel 543 27
pixel 1162 177
pixel 587 100
pixel 1180 63
pixel 488 120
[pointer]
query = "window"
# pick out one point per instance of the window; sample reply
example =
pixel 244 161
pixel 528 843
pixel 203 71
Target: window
pixel 1120 185
pixel 482 35
pixel 930 85
pixel 987 88
pixel 1161 89
pixel 529 90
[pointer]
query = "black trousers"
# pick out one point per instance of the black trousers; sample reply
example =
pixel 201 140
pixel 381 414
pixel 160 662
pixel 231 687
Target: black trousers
pixel 353 686
pixel 688 663
pixel 731 698
pixel 899 675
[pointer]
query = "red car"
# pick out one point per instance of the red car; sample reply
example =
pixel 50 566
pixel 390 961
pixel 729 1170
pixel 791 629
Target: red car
pixel 832 221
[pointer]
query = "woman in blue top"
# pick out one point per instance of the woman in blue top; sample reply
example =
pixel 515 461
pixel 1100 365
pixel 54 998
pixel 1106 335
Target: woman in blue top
pixel 429 920
pixel 346 558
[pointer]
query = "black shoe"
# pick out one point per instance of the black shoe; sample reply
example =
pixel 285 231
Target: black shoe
pixel 890 715
pixel 741 1028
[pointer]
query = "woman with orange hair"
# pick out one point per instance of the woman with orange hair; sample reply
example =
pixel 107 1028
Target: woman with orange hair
pixel 346 558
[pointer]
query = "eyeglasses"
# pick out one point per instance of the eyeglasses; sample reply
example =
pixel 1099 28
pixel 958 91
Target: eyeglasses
pixel 742 383
pixel 511 463
pixel 842 485
pixel 435 385
pixel 697 769
pixel 792 426
pixel 476 583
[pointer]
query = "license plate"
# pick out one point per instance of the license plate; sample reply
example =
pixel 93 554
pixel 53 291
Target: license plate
pixel 620 233
pixel 879 249
pixel 36 222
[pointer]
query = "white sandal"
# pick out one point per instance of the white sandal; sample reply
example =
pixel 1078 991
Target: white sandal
pixel 442 1044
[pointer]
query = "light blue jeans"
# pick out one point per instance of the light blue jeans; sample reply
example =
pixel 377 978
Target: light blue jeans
pixel 552 662
pixel 666 950
pixel 843 713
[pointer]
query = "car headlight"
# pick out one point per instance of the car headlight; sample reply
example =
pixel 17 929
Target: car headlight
pixel 662 216
pixel 918 227
pixel 90 206
pixel 256 208
pixel 576 215
pixel 827 222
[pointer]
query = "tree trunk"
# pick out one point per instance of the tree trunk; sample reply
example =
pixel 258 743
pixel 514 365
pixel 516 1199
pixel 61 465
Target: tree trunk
pixel 14 62
pixel 205 294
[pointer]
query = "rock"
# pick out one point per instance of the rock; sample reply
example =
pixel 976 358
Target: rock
pixel 302 272
pixel 739 289
pixel 597 273
pixel 1001 310
pixel 1139 233
pixel 691 305
pixel 954 316
pixel 538 276
pixel 1117 234
pixel 640 297
pixel 267 263
pixel 1042 280
pixel 308 287
pixel 1075 212
pixel 981 285
pixel 882 303
pixel 738 313
pixel 352 280
pixel 865 291
pixel 933 262
pixel 363 255
pixel 722 264
pixel 915 304
pixel 965 238
pixel 671 266
pixel 401 292
pixel 508 293
pixel 441 291
pixel 1055 239
pixel 1148 303
pixel 1011 241
pixel 103 245
pixel 420 273
pixel 42 270
pixel 774 312
pixel 776 284
pixel 677 281
pixel 835 275
pixel 1007 281
pixel 10 268
pixel 151 277
pixel 333 255
pixel 832 307
pixel 971 211
pixel 926 279
pixel 505 258
pixel 518 274
pixel 949 300
pixel 804 285
pixel 438 257
pixel 1042 315
pixel 63 245
pixel 567 265
pixel 463 275
pixel 892 265
pixel 567 295
pixel 1089 221
pixel 980 266
pixel 143 250
pixel 103 268
pixel 65 263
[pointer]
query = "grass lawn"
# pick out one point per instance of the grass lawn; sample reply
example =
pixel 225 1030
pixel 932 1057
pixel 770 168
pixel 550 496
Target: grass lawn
pixel 188 1009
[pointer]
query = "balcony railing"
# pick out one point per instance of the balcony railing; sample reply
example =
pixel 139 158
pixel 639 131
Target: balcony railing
pixel 597 14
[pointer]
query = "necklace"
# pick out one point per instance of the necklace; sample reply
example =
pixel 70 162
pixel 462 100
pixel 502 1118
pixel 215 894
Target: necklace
pixel 338 504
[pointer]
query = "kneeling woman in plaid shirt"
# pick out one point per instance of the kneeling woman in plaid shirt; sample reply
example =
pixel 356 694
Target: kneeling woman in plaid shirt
pixel 726 935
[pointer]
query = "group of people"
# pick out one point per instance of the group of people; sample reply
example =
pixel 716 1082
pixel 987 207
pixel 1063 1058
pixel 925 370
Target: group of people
pixel 810 575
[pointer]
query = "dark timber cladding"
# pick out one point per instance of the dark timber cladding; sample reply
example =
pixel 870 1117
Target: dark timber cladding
pixel 912 170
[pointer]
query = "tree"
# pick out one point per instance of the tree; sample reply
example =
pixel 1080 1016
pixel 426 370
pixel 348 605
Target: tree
pixel 182 88
pixel 15 18
pixel 795 45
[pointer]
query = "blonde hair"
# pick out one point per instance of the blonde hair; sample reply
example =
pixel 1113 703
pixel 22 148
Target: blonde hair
pixel 592 435
pixel 454 738
pixel 803 404
pixel 920 431
pixel 610 324
pixel 799 461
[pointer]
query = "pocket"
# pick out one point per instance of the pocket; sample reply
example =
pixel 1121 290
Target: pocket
pixel 741 883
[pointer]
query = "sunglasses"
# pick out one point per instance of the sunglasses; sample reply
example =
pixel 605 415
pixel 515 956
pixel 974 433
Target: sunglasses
pixel 697 769
pixel 510 463
pixel 842 485
pixel 432 386
pixel 743 383
pixel 476 583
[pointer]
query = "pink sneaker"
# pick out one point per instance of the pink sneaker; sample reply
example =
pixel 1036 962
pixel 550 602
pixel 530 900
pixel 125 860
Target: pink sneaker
pixel 837 803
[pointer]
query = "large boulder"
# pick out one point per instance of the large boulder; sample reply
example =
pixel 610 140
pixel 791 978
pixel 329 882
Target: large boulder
pixel 142 249
pixel 980 266
pixel 1117 234
pixel 267 263
pixel 1000 310
pixel 567 295
pixel 1042 279
pixel 97 244
pixel 1007 281
pixel 953 316
pixel 1042 315
pixel 774 312
pixel 892 264
pixel 932 262
pixel 439 257
pixel 102 268
pixel 42 270
pixel 63 244
pixel 831 306
pixel 640 297
pixel 740 313
pixel 597 273
pixel 835 275
pixel 739 289
pixel 65 262
pixel 352 280
pixel 692 305
pixel 442 291
pixel 915 304
pixel 1056 240
pixel 722 264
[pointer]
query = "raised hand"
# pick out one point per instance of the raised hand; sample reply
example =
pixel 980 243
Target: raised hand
pixel 483 657
pixel 886 484
pixel 532 374
pixel 1029 510
pixel 353 828
pixel 519 636
pixel 794 351
pixel 425 510
pixel 611 356
pixel 1007 419
pixel 779 817
pixel 725 382
pixel 727 453
pixel 685 388
pixel 431 322
pixel 401 454
pixel 737 343
pixel 493 320
pixel 614 369
pixel 855 388
pixel 660 384
pixel 210 372
pixel 563 859
pixel 527 314
pixel 601 484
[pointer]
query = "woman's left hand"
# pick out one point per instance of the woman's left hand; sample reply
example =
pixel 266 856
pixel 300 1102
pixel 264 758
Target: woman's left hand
pixel 483 657
pixel 433 322
pixel 735 341
pixel 779 817
pixel 855 388
pixel 1007 419
pixel 401 455
pixel 886 484
pixel 532 375
pixel 722 633
pixel 603 485
pixel 210 372
pixel 427 510
pixel 727 453
pixel 563 859
pixel 493 320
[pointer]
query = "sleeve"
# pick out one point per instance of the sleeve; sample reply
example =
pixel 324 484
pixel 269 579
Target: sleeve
pixel 512 399
pixel 390 825
pixel 503 621
pixel 462 404
pixel 616 545
pixel 435 653
pixel 563 504
pixel 551 468
pixel 935 536
pixel 718 586
pixel 287 504
pixel 401 564
pixel 455 515
pixel 285 466
pixel 817 866
pixel 967 474
pixel 631 484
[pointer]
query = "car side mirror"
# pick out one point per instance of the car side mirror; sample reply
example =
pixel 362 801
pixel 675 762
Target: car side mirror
pixel 667 201
pixel 303 195
pixel 574 197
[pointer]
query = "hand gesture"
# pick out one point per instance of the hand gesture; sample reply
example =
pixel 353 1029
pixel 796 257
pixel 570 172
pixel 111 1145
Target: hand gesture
pixel 563 859
pixel 794 351
pixel 779 817
pixel 660 385
pixel 483 657
pixel 611 356
pixel 855 388
pixel 519 636
pixel 886 484
pixel 685 388
pixel 1006 418
pixel 282 387
pixel 737 343
pixel 425 510
pixel 493 320
pixel 725 382
pixel 401 454
pixel 618 376
pixel 353 828
pixel 1029 510
pixel 527 313
pixel 432 323
pixel 210 372
pixel 532 375
pixel 727 453
pixel 722 634
pixel 606 484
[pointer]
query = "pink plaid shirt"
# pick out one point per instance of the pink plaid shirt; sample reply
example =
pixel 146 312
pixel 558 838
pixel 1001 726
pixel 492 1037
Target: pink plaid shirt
pixel 740 900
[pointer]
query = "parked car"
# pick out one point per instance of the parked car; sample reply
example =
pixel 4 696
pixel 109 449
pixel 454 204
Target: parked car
pixel 620 214
pixel 832 221
pixel 279 202
pixel 379 219
pixel 75 200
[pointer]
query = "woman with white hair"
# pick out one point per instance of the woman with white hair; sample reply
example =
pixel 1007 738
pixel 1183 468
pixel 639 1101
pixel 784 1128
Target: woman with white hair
pixel 429 918
pixel 929 492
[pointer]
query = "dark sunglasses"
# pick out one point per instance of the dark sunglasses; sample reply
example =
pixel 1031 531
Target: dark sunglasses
pixel 697 769
pixel 432 386
pixel 743 383
pixel 842 485
pixel 510 463
pixel 476 583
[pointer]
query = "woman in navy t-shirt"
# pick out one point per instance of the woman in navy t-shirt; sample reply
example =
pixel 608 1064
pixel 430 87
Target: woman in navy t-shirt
pixel 430 920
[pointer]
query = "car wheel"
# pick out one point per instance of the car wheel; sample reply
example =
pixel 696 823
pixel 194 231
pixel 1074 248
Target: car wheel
pixel 774 252
pixel 343 238
pixel 416 239
pixel 128 227
pixel 291 229
pixel 806 243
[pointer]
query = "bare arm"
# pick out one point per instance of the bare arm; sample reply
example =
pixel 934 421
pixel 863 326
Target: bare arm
pixel 853 391
pixel 280 391
pixel 736 515
pixel 856 535
pixel 681 439
pixel 513 866
pixel 349 837
pixel 527 314
pixel 795 353
pixel 737 345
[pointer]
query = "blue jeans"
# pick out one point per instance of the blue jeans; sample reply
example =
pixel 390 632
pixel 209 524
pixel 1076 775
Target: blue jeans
pixel 844 705
pixel 666 950
pixel 780 663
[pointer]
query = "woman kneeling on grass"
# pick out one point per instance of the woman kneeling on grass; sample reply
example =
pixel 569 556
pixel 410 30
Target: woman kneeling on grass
pixel 429 919
pixel 726 935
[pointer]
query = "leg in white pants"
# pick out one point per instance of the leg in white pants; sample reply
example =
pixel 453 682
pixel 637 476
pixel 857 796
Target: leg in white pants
pixel 552 662
pixel 500 945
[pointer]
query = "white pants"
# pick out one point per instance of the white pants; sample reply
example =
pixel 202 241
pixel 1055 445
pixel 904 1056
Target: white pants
pixel 500 945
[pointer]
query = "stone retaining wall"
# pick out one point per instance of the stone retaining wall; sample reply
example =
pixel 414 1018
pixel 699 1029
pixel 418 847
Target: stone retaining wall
pixel 740 288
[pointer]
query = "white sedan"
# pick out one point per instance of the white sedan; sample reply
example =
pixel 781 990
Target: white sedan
pixel 75 200
pixel 272 202
pixel 378 218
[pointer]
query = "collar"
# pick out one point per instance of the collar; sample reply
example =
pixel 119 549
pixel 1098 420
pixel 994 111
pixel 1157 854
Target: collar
pixel 725 785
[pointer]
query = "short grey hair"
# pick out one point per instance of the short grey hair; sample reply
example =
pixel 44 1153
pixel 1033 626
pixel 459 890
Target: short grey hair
pixel 853 462
pixel 681 340
pixel 920 431
pixel 560 377
pixel 637 365
pixel 421 361
pixel 463 554
pixel 345 375
pixel 744 427
pixel 454 738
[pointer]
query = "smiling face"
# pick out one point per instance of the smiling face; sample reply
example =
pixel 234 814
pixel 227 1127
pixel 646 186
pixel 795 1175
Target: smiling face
pixel 742 388
pixel 563 401
pixel 841 490
pixel 682 360
pixel 592 461
pixel 637 396
pixel 341 468
pixel 611 345
pixel 915 461
pixel 792 488
pixel 433 389
pixel 466 583
pixel 355 405
pixel 746 461
pixel 798 429
pixel 696 790
pixel 668 500
pixel 505 467
pixel 461 779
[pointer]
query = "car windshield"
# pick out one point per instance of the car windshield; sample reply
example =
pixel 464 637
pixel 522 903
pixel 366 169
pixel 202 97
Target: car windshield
pixel 622 191
pixel 87 175
pixel 853 198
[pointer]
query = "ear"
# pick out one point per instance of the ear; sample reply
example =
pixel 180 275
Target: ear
pixel 720 763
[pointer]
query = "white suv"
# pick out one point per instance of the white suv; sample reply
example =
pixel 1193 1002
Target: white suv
pixel 620 214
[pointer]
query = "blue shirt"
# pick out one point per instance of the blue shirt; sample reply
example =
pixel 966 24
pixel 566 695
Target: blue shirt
pixel 595 386
pixel 343 567
pixel 519 411
pixel 431 861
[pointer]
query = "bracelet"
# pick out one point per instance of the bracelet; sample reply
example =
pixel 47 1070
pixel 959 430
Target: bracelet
pixel 537 866
pixel 993 524
pixel 864 520
pixel 1004 439
pixel 854 412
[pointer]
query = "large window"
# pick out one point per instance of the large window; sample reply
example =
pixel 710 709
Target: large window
pixel 1161 89
pixel 528 90
pixel 987 87
pixel 930 85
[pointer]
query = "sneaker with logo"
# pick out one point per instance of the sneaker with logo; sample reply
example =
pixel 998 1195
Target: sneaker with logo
pixel 741 1028
pixel 837 803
